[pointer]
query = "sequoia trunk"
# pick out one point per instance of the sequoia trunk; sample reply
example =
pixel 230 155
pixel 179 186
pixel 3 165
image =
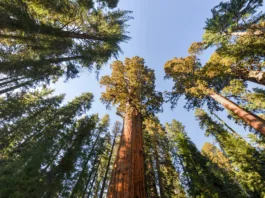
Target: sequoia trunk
pixel 251 75
pixel 127 180
pixel 250 118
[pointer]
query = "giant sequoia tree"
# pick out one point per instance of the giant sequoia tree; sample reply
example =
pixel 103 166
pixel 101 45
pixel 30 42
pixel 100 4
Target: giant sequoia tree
pixel 190 80
pixel 131 86
pixel 43 40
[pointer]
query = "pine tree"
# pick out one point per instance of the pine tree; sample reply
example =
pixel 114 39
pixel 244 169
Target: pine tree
pixel 131 86
pixel 248 164
pixel 44 144
pixel 91 161
pixel 159 158
pixel 216 155
pixel 116 131
pixel 236 28
pixel 236 18
pixel 200 177
pixel 44 40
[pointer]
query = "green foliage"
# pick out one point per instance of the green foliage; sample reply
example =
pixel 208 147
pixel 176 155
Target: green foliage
pixel 43 40
pixel 45 144
pixel 234 15
pixel 247 162
pixel 190 81
pixel 200 176
pixel 131 83
pixel 160 170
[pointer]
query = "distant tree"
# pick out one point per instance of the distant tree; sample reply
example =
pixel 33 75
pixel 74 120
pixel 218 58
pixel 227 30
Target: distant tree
pixel 116 131
pixel 215 155
pixel 157 150
pixel 200 177
pixel 247 162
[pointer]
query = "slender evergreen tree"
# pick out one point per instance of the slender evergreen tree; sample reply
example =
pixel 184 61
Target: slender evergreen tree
pixel 247 162
pixel 43 40
pixel 200 177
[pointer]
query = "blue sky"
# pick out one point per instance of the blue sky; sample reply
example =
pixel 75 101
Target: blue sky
pixel 160 31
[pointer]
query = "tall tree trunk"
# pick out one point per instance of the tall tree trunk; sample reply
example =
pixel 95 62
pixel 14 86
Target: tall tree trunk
pixel 251 119
pixel 7 22
pixel 150 178
pixel 108 165
pixel 85 166
pixel 27 83
pixel 127 179
pixel 250 75
pixel 227 126
pixel 92 184
pixel 20 64
pixel 11 81
pixel 157 163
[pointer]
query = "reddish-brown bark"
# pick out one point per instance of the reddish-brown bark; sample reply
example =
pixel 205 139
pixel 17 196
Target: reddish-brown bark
pixel 127 180
pixel 250 75
pixel 251 119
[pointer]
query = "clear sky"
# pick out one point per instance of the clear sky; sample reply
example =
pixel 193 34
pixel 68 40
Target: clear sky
pixel 160 31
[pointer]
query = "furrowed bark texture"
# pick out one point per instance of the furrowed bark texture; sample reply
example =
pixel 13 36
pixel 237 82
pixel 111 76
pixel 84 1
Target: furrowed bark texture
pixel 127 180
pixel 251 119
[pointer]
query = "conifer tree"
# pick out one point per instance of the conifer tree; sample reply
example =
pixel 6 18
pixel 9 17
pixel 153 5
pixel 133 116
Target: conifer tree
pixel 92 160
pixel 216 156
pixel 236 18
pixel 247 162
pixel 116 131
pixel 237 29
pixel 159 157
pixel 41 41
pixel 190 81
pixel 131 86
pixel 251 100
pixel 45 145
pixel 200 177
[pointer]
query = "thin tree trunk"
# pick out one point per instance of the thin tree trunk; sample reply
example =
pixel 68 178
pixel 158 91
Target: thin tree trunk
pixel 16 87
pixel 250 118
pixel 13 24
pixel 127 179
pixel 227 126
pixel 150 178
pixel 96 191
pixel 258 32
pixel 93 181
pixel 84 166
pixel 30 62
pixel 108 165
pixel 88 178
pixel 11 81
pixel 250 75
pixel 157 163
